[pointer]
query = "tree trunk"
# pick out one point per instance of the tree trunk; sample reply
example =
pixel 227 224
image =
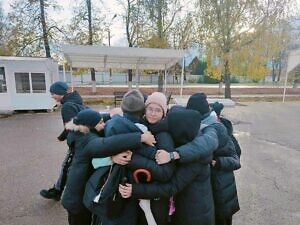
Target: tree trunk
pixel 93 75
pixel 89 7
pixel 221 87
pixel 273 72
pixel 44 27
pixel 227 80
pixel 160 82
pixel 130 79
pixel 279 70
pixel 130 44
pixel 159 19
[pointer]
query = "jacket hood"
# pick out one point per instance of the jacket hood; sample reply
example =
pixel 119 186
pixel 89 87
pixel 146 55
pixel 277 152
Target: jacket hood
pixel 208 119
pixel 72 97
pixel 119 125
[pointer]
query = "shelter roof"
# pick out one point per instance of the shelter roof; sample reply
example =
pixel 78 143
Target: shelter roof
pixel 102 57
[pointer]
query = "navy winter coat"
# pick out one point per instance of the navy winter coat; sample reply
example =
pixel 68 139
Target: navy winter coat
pixel 222 176
pixel 72 104
pixel 223 180
pixel 190 182
pixel 87 147
pixel 144 158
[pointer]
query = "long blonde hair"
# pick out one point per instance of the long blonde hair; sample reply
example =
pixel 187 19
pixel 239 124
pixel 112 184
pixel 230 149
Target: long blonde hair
pixel 73 127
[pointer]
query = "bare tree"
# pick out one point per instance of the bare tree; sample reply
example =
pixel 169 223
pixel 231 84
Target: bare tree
pixel 86 28
pixel 30 29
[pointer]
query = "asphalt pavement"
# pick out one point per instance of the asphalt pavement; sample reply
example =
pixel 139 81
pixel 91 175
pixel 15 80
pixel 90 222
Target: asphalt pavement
pixel 268 182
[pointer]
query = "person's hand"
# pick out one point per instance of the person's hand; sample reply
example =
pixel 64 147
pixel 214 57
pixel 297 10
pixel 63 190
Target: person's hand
pixel 213 163
pixel 125 190
pixel 148 139
pixel 122 158
pixel 162 156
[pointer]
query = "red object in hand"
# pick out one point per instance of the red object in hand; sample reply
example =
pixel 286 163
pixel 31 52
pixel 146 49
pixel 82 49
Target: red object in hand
pixel 145 173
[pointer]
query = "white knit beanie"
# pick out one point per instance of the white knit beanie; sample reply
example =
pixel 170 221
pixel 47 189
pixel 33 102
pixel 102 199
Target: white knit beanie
pixel 159 99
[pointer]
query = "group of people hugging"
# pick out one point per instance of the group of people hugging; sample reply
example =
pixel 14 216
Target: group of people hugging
pixel 147 164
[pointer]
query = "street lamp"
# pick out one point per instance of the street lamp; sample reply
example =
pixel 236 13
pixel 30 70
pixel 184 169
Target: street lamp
pixel 108 30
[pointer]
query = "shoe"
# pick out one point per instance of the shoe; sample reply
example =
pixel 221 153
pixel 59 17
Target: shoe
pixel 51 193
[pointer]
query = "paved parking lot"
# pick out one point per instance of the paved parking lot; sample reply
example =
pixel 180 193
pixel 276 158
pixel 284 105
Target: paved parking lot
pixel 268 182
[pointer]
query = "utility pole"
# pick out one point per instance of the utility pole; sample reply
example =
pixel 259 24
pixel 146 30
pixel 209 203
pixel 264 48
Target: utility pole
pixel 110 71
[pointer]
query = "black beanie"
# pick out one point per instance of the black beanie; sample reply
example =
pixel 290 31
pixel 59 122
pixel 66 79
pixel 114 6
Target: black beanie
pixel 132 102
pixel 59 88
pixel 199 103
pixel 87 117
pixel 217 107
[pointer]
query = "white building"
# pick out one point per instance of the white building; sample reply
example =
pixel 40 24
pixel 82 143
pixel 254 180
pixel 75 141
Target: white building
pixel 25 82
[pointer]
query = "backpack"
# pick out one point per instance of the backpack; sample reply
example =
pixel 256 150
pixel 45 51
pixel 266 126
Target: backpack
pixel 227 123
pixel 104 183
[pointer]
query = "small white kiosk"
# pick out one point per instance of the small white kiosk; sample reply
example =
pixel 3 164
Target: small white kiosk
pixel 25 82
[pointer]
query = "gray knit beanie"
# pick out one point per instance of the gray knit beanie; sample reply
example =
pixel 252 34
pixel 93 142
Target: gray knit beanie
pixel 133 101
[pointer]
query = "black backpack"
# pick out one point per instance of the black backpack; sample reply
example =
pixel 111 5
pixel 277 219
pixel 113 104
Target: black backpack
pixel 227 123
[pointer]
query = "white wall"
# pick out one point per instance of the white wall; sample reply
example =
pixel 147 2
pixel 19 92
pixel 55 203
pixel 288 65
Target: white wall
pixel 26 101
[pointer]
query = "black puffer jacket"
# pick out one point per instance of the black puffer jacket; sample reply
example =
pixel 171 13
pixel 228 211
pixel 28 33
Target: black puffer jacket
pixel 142 159
pixel 223 180
pixel 72 104
pixel 190 182
pixel 222 176
pixel 88 146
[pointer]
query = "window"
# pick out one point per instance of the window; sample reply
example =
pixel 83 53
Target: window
pixel 22 82
pixel 38 82
pixel 3 88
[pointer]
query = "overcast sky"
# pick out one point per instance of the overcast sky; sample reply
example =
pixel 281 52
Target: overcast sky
pixel 111 7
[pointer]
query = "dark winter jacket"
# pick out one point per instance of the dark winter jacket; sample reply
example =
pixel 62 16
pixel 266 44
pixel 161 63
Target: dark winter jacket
pixel 72 104
pixel 227 123
pixel 223 181
pixel 161 173
pixel 222 176
pixel 88 146
pixel 142 159
pixel 190 182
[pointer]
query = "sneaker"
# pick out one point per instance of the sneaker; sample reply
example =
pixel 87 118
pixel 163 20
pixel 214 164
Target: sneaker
pixel 51 193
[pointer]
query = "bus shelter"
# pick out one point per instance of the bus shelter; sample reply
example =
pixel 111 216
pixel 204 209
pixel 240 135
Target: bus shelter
pixel 108 57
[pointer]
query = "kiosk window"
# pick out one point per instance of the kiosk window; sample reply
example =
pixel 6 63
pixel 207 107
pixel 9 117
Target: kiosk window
pixel 38 82
pixel 22 82
pixel 3 88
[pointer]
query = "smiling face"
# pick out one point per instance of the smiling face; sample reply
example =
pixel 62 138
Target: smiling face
pixel 154 113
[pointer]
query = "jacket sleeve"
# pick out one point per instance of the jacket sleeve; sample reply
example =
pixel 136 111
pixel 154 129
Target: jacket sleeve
pixel 63 135
pixel 100 147
pixel 236 145
pixel 68 112
pixel 183 176
pixel 159 172
pixel 147 151
pixel 201 148
pixel 229 162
